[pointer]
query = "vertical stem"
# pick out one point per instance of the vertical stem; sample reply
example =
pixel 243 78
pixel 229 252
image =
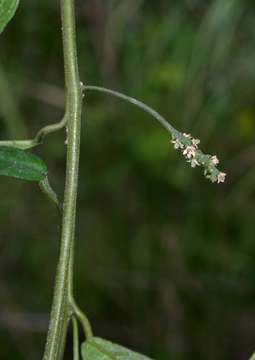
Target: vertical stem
pixel 60 314
pixel 76 350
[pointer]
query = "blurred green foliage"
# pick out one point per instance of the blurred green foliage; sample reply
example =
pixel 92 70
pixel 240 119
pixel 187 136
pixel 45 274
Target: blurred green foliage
pixel 165 260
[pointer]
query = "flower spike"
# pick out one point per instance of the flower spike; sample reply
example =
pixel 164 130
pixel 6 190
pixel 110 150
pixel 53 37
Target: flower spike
pixel 190 150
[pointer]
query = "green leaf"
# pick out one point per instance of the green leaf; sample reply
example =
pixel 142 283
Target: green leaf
pixel 100 349
pixel 21 164
pixel 253 357
pixel 7 11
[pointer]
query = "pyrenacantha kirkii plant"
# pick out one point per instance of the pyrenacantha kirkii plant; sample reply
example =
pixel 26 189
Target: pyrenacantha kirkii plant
pixel 17 161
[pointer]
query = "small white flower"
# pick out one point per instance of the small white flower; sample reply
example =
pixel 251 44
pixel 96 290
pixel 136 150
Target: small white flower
pixel 177 144
pixel 189 152
pixel 195 142
pixel 194 163
pixel 215 160
pixel 188 136
pixel 221 177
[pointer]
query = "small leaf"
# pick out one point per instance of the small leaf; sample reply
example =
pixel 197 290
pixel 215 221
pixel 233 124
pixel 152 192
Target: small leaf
pixel 100 349
pixel 253 357
pixel 7 11
pixel 21 164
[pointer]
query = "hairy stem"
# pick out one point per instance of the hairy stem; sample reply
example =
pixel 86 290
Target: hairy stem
pixel 60 314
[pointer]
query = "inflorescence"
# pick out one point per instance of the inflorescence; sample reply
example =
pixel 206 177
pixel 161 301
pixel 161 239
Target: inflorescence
pixel 190 150
pixel 182 141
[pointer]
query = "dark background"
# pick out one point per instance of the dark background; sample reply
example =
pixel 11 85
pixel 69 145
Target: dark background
pixel 165 260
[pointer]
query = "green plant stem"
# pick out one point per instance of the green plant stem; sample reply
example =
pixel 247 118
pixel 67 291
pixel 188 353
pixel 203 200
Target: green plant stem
pixel 73 305
pixel 49 129
pixel 139 104
pixel 76 350
pixel 39 137
pixel 60 314
pixel 50 193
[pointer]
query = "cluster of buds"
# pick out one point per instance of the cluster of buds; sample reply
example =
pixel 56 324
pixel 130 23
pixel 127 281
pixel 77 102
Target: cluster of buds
pixel 190 150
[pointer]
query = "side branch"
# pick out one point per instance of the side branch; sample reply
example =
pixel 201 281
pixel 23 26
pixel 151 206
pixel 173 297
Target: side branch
pixel 185 142
pixel 137 103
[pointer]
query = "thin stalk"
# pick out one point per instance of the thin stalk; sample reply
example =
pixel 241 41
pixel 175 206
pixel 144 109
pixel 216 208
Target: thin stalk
pixel 39 137
pixel 60 314
pixel 80 315
pixel 49 129
pixel 76 351
pixel 137 103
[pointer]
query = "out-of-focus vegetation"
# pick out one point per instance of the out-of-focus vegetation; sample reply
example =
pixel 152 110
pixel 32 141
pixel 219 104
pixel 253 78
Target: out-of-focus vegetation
pixel 165 260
